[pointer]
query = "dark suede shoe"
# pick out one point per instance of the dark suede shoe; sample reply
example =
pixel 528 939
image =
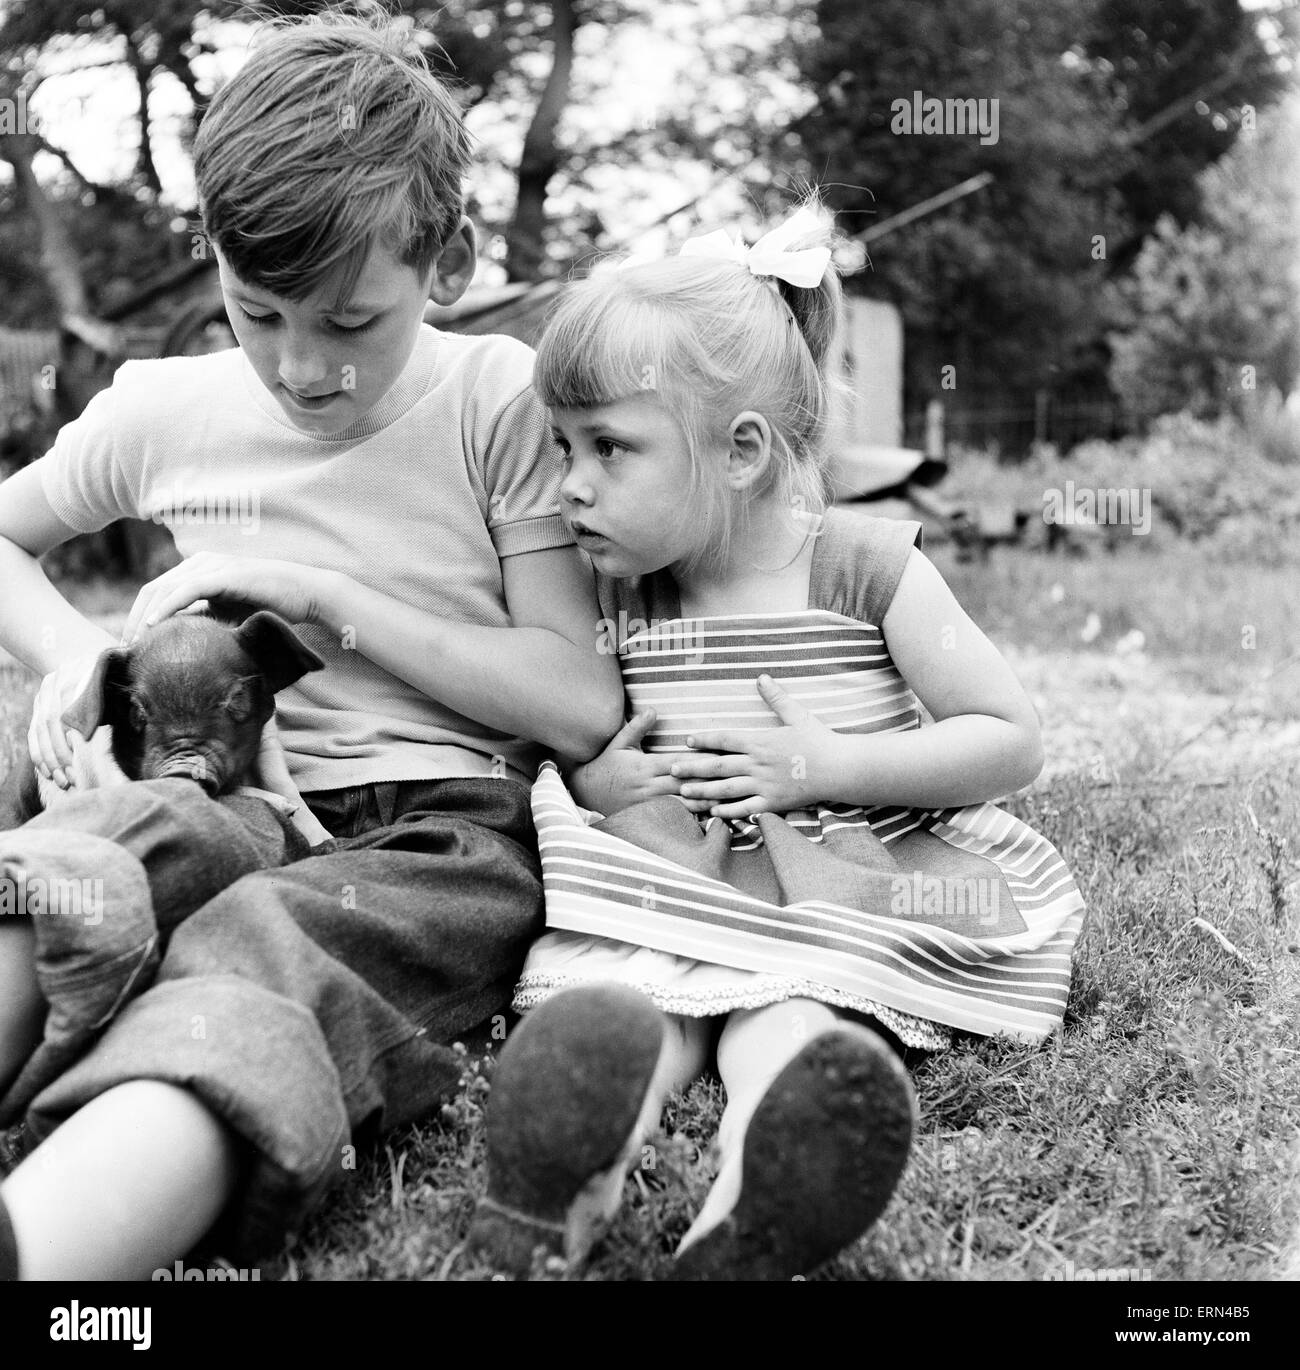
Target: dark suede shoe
pixel 822 1154
pixel 566 1097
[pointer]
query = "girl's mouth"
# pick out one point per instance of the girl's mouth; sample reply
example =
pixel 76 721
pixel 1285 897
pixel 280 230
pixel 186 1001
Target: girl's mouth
pixel 587 537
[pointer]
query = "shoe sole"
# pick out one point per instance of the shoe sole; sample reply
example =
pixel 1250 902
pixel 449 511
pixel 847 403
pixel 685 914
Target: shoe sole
pixel 566 1096
pixel 822 1155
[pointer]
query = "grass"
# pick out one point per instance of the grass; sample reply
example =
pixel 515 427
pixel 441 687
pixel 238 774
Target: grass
pixel 1155 1133
pixel 1212 624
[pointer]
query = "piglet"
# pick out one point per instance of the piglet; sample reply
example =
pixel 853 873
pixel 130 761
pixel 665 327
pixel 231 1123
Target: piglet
pixel 190 699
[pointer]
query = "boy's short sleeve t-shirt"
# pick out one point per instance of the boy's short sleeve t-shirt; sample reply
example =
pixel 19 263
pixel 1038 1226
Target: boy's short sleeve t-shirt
pixel 452 472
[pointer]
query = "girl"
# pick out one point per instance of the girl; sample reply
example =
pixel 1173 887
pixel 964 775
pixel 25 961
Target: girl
pixel 772 849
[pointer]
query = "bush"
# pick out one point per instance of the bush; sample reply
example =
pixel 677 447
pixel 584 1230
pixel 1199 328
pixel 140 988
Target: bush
pixel 1208 482
pixel 1203 476
pixel 1209 315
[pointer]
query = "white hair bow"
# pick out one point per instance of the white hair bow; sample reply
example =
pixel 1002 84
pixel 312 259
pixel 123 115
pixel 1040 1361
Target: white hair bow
pixel 771 255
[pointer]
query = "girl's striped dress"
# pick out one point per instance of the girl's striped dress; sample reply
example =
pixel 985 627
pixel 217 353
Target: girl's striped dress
pixel 926 920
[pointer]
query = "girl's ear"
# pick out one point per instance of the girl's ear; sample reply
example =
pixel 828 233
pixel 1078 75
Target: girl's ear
pixel 750 454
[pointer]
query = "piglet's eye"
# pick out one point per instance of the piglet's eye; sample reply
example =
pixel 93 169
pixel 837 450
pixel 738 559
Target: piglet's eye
pixel 238 703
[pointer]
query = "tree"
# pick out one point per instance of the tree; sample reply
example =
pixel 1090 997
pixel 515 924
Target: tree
pixel 999 292
pixel 675 117
pixel 545 86
pixel 540 158
pixel 467 45
pixel 1211 310
pixel 1178 75
pixel 1099 124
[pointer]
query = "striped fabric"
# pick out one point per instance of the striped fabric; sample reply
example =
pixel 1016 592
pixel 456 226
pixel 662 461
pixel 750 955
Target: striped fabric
pixel 963 917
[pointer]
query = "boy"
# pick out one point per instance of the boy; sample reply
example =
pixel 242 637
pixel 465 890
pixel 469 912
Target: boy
pixel 404 511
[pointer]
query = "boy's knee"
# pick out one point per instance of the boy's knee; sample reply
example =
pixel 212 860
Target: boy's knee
pixel 256 1060
pixel 140 815
pixel 190 846
pixel 88 902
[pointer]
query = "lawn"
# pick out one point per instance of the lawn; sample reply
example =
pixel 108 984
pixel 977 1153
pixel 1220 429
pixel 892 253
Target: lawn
pixel 1155 1135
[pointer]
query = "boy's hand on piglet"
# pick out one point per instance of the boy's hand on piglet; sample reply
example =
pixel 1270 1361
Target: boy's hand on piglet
pixel 734 774
pixel 287 588
pixel 47 737
pixel 623 774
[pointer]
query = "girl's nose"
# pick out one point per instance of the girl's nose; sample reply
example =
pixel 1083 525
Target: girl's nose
pixel 575 488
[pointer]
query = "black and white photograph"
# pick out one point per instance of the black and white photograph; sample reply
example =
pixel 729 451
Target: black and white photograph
pixel 649 643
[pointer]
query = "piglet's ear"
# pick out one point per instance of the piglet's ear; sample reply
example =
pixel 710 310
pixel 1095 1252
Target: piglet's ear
pixel 280 655
pixel 106 690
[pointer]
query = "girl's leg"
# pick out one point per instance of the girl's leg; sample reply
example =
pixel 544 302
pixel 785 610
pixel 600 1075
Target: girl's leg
pixel 22 1006
pixel 127 1185
pixel 580 1085
pixel 814 1137
pixel 756 1045
pixel 682 1057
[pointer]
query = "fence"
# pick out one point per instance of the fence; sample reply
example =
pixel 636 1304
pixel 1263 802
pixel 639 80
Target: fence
pixel 1010 430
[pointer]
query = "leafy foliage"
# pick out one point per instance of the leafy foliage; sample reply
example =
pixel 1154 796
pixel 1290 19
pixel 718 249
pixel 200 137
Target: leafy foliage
pixel 1202 61
pixel 1006 285
pixel 1108 112
pixel 1212 309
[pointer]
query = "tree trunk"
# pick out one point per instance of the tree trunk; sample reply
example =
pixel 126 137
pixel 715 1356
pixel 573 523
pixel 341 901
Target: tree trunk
pixel 525 238
pixel 144 162
pixel 89 348
pixel 58 256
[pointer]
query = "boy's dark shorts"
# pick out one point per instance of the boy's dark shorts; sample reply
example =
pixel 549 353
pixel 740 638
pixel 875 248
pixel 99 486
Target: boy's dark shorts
pixel 308 1002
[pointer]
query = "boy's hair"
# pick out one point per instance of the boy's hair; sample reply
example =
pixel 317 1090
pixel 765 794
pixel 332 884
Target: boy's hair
pixel 710 340
pixel 332 137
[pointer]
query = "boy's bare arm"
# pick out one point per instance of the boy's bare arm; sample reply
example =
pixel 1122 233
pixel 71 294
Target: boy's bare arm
pixel 542 678
pixel 37 624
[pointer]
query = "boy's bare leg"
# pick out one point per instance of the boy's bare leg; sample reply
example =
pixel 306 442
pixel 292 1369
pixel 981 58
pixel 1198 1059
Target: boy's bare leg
pixel 129 1184
pixel 22 1006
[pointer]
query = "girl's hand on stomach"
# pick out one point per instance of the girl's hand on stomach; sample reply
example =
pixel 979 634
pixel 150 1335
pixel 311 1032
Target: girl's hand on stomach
pixel 734 774
pixel 47 737
pixel 623 774
pixel 285 587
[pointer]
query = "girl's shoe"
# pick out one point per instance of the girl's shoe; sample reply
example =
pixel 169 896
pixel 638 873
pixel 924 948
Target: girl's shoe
pixel 562 1123
pixel 821 1156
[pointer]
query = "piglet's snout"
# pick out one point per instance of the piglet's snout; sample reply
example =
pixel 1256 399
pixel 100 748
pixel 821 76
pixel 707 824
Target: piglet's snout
pixel 203 765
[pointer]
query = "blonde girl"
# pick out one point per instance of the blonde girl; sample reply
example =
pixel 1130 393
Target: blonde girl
pixel 773 866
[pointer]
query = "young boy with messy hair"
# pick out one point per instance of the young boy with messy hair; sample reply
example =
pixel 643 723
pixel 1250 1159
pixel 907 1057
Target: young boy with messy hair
pixel 249 1012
